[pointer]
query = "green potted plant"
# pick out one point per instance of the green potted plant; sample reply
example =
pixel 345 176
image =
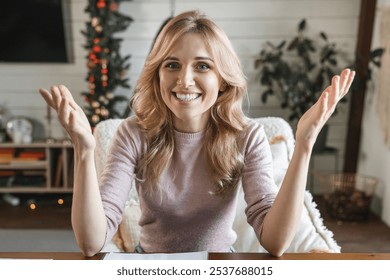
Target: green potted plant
pixel 298 70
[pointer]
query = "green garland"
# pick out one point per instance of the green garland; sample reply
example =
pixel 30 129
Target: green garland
pixel 106 67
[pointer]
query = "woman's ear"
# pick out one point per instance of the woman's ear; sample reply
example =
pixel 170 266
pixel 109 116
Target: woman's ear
pixel 223 87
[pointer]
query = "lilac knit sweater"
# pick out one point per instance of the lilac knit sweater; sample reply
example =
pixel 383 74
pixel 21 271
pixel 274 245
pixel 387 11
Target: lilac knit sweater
pixel 184 216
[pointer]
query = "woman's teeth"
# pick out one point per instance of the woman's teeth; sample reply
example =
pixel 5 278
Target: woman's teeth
pixel 187 96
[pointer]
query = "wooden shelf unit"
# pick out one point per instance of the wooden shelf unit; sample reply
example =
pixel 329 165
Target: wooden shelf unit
pixel 51 174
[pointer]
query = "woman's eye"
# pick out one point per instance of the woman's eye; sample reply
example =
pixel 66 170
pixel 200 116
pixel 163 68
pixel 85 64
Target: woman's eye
pixel 172 65
pixel 203 66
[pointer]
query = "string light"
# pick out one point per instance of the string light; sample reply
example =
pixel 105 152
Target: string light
pixel 104 112
pixel 34 204
pixel 110 95
pixel 94 21
pixel 95 118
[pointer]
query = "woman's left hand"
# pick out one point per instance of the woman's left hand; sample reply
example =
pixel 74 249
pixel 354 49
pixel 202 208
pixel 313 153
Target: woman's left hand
pixel 311 123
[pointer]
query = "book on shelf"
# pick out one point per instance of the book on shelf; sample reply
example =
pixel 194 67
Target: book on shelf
pixel 16 162
pixel 7 151
pixel 34 180
pixel 58 174
pixel 6 155
pixel 7 173
pixel 5 160
pixel 40 155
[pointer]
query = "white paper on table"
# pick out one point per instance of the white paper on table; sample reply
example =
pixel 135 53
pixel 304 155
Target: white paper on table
pixel 202 255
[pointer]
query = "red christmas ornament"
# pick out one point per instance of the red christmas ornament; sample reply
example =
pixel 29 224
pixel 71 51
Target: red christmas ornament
pixel 97 49
pixel 114 6
pixel 90 64
pixel 101 4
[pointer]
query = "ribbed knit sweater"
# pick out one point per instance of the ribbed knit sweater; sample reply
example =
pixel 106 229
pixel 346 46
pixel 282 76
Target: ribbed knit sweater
pixel 185 216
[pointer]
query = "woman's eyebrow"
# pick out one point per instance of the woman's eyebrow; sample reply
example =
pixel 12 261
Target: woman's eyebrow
pixel 196 58
pixel 204 58
pixel 171 58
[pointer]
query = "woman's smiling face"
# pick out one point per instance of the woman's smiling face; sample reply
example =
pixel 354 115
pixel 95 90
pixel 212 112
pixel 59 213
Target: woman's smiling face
pixel 190 83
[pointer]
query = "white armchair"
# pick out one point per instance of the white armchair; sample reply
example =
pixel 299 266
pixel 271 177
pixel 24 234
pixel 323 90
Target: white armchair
pixel 311 235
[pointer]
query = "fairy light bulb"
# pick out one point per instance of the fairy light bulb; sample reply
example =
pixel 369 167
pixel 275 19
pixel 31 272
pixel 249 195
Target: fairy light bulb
pixel 95 118
pixel 94 21
pixel 110 95
pixel 95 104
pixel 104 112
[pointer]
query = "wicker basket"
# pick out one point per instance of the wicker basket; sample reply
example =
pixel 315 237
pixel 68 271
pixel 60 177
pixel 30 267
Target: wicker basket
pixel 349 195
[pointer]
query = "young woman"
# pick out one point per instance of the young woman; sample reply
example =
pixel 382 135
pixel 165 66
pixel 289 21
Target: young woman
pixel 189 146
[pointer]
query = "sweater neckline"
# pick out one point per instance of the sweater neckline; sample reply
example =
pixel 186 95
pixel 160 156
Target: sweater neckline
pixel 185 137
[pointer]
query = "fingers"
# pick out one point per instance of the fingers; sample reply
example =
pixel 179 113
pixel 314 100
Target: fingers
pixel 325 101
pixel 56 95
pixel 335 89
pixel 47 96
pixel 341 84
pixel 347 77
pixel 61 100
pixel 65 93
pixel 343 80
pixel 349 82
pixel 52 98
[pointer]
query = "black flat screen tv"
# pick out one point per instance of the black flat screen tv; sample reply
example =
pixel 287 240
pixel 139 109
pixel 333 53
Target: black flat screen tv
pixel 32 31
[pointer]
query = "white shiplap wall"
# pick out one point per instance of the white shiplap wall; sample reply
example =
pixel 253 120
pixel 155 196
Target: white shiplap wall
pixel 248 23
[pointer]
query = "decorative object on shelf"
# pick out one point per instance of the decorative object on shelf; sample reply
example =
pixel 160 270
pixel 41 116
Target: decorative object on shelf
pixel 297 72
pixel 20 130
pixel 106 66
pixel 11 199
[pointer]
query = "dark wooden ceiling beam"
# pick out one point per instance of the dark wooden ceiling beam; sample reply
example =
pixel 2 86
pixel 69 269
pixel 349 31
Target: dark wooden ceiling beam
pixel 357 98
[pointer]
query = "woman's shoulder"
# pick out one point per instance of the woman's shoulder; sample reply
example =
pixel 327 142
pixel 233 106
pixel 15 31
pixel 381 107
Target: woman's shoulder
pixel 130 128
pixel 253 133
pixel 130 122
pixel 253 126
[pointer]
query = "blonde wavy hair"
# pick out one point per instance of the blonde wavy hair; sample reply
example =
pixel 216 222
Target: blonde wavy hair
pixel 227 120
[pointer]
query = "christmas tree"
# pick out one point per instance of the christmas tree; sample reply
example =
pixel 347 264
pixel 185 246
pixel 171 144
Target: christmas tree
pixel 106 67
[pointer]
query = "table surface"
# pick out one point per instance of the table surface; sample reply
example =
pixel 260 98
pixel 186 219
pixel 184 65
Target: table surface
pixel 212 256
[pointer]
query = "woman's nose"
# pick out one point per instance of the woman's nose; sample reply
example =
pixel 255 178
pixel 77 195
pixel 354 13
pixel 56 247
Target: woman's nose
pixel 186 78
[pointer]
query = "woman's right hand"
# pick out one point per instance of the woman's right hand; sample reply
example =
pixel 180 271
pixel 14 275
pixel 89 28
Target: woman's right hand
pixel 70 115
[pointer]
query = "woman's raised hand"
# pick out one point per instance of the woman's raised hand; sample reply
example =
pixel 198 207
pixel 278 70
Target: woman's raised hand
pixel 315 118
pixel 70 115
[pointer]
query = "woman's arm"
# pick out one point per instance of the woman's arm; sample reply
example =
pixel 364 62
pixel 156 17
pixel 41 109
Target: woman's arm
pixel 88 217
pixel 281 221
